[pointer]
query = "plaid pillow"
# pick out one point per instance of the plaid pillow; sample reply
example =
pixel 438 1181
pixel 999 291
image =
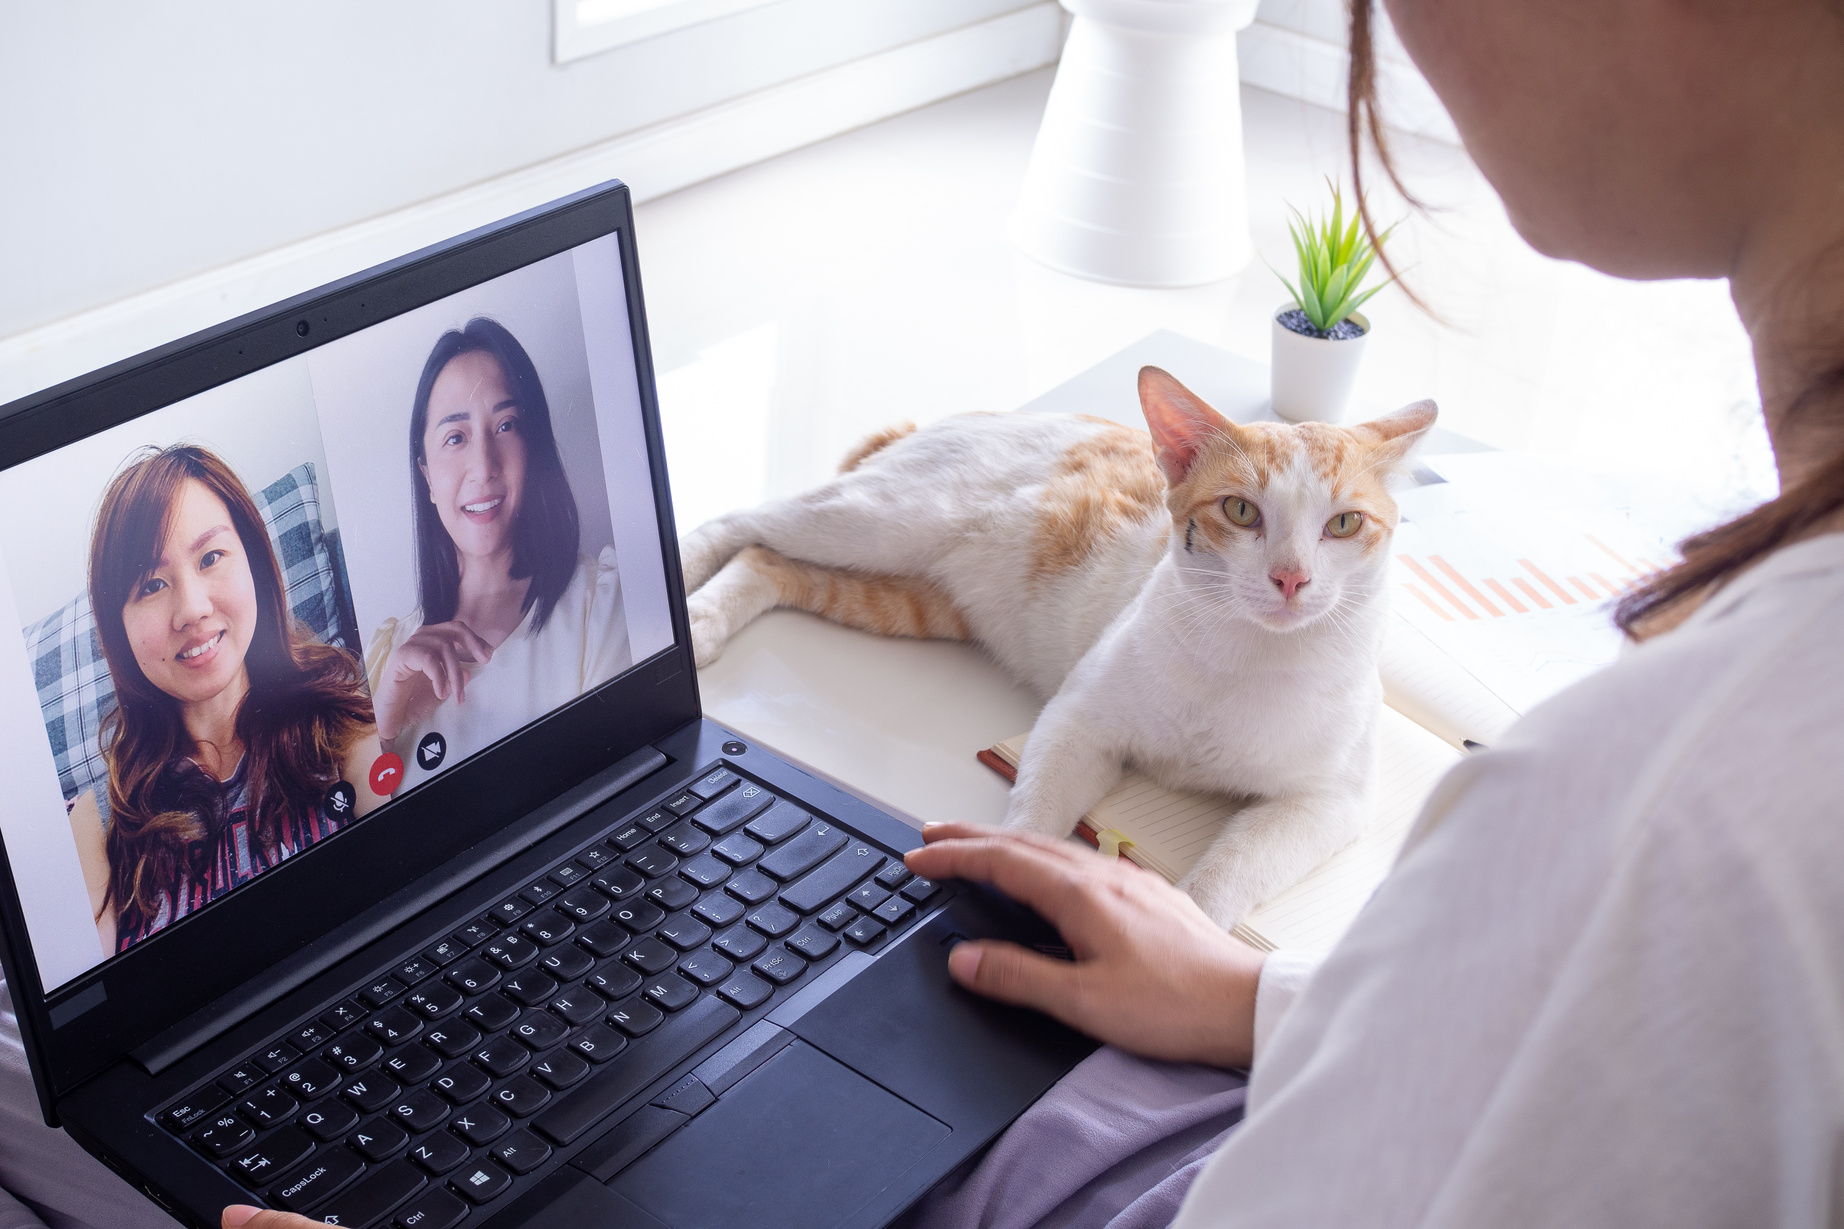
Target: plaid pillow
pixel 75 692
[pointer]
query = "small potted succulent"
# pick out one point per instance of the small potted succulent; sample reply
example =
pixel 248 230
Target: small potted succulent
pixel 1319 334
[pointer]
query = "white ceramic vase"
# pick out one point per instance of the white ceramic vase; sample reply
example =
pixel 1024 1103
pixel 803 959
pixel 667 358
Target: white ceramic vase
pixel 1137 175
pixel 1313 375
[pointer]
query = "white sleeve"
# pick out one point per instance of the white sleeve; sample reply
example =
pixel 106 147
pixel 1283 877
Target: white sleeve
pixel 1283 976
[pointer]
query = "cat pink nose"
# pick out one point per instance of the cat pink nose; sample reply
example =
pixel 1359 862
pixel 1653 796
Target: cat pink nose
pixel 1289 583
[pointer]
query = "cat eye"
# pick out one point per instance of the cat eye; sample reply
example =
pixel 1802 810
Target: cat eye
pixel 1344 524
pixel 1241 511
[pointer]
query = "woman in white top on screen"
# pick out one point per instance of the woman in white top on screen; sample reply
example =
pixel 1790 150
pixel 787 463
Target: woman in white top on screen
pixel 514 621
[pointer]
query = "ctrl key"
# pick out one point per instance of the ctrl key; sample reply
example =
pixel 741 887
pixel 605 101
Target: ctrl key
pixel 316 1180
pixel 367 1203
pixel 437 1209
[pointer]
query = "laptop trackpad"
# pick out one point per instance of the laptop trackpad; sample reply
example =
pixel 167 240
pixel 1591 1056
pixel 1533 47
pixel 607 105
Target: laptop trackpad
pixel 799 1134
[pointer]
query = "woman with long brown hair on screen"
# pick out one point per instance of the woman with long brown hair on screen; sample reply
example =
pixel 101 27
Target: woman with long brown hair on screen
pixel 232 724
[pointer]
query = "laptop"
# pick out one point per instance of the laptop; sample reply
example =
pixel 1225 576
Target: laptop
pixel 308 903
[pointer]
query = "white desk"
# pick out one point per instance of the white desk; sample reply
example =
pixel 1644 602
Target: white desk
pixel 898 722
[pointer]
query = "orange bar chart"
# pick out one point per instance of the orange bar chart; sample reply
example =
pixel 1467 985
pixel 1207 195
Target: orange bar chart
pixel 1452 595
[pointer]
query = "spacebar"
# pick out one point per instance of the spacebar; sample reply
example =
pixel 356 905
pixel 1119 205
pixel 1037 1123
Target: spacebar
pixel 642 1063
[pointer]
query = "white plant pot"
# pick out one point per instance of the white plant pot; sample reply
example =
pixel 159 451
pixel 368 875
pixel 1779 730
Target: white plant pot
pixel 1137 174
pixel 1313 375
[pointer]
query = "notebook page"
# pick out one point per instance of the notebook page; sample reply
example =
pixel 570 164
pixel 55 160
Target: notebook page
pixel 1425 684
pixel 1315 912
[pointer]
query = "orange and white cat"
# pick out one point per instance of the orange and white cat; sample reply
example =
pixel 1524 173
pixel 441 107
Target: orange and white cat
pixel 1206 603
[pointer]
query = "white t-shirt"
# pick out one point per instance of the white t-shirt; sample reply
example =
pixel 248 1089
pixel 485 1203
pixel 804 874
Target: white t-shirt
pixel 1604 986
pixel 584 643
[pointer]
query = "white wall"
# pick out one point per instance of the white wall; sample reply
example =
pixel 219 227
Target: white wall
pixel 145 143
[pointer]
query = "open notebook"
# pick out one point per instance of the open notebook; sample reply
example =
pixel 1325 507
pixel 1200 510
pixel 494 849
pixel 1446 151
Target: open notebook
pixel 1168 829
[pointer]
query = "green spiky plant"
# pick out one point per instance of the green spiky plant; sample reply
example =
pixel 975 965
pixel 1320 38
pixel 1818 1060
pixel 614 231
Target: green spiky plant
pixel 1335 257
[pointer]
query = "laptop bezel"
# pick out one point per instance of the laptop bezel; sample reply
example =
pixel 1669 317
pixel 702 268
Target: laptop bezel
pixel 208 957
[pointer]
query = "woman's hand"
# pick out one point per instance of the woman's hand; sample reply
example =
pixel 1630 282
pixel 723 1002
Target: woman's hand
pixel 1152 975
pixel 243 1216
pixel 425 670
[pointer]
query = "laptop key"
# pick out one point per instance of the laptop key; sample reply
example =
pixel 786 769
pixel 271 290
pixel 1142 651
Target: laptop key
pixel 635 1016
pixel 481 1125
pixel 893 876
pixel 839 916
pixel 894 912
pixel 501 1056
pixel 780 967
pixel 540 1030
pixel 738 849
pixel 521 1096
pixel 342 1016
pixel 637 916
pixel 594 858
pixel 316 1180
pixel 670 894
pixel 734 809
pixel 394 1026
pixel 706 968
pixel 598 1043
pixel 921 891
pixel 521 1152
pixel 413 970
pixel 275 1058
pixel 549 928
pixel 434 1000
pixel 619 884
pixel 683 803
pixel 751 887
pixel 567 963
pixel 530 987
pixel 714 783
pixel 437 1154
pixel 329 1120
pixel 868 896
pixel 865 931
pixel 684 840
pixel 719 910
pixel 491 1013
pixel 568 875
pixel 237 1079
pixel 270 1107
pixel 355 1053
pixel 460 1083
pixel 537 893
pixel 657 818
pixel 778 823
pixel 671 992
pixel 740 943
pixel 613 981
pixel 194 1108
pixel 838 874
pixel 803 853
pixel 603 939
pixel 452 1040
pixel 560 1069
pixel 311 1036
pixel 812 942
pixel 705 871
pixel 472 975
pixel 684 931
pixel 511 951
pixel 223 1135
pixel 652 860
pixel 746 990
pixel 445 953
pixel 577 1007
pixel 650 956
pixel 507 912
pixel 475 933
pixel 379 993
pixel 628 835
pixel 773 920
pixel 411 1064
pixel 572 1115
pixel 438 1209
pixel 371 1200
pixel 482 1182
pixel 378 1139
pixel 420 1110
pixel 371 1093
pixel 275 1153
pixel 583 905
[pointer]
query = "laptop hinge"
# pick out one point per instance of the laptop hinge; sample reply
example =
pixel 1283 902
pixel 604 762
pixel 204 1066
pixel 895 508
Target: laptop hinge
pixel 162 1051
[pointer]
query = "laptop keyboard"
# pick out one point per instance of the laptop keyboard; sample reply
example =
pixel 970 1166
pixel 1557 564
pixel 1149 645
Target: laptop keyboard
pixel 447 1079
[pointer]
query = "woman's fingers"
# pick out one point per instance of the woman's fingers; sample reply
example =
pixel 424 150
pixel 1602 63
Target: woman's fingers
pixel 477 648
pixel 242 1216
pixel 1042 878
pixel 1011 974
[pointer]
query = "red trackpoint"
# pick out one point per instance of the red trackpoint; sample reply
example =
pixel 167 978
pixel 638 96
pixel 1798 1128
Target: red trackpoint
pixel 386 774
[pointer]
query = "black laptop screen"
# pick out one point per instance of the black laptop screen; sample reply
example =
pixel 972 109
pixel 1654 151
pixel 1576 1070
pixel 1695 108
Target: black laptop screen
pixel 234 627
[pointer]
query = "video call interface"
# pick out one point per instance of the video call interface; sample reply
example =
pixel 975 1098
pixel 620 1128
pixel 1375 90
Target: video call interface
pixel 253 619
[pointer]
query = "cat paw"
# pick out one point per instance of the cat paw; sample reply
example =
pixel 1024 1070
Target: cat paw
pixel 1221 902
pixel 708 632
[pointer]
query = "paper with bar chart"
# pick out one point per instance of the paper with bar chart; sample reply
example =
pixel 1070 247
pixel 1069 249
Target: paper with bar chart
pixel 1514 573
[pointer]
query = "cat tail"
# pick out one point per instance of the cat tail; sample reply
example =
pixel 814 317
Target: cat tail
pixel 876 442
pixel 759 579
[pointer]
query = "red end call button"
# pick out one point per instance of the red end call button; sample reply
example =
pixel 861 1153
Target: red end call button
pixel 386 774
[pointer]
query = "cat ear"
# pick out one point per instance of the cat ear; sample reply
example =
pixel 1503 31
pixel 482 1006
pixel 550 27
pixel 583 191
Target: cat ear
pixel 1391 436
pixel 1181 423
